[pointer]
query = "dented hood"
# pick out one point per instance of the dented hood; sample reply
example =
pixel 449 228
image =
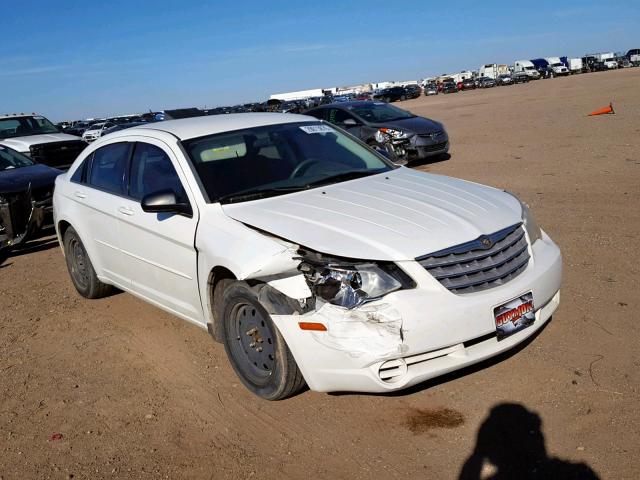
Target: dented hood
pixel 398 215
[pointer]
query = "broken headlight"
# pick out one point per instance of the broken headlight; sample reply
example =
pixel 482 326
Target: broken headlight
pixel 349 285
pixel 530 224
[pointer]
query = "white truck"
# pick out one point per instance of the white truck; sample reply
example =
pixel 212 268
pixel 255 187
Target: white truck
pixel 36 137
pixel 557 67
pixel 574 65
pixel 488 70
pixel 527 67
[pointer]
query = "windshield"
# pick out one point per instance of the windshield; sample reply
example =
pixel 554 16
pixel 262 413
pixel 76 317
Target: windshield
pixel 96 126
pixel 276 159
pixel 376 112
pixel 10 159
pixel 557 65
pixel 25 126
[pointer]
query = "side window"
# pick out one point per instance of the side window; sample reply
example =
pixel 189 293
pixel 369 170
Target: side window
pixel 80 175
pixel 108 167
pixel 152 171
pixel 337 116
pixel 320 113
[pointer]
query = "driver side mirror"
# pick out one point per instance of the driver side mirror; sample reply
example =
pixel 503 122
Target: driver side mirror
pixel 350 122
pixel 165 201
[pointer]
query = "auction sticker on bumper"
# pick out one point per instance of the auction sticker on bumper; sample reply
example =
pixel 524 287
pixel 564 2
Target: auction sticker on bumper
pixel 515 315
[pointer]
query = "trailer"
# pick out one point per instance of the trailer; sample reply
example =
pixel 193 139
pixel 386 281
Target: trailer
pixel 573 64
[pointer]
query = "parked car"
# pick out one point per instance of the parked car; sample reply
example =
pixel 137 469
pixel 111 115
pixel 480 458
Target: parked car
pixel 610 63
pixel 449 87
pixel 485 82
pixel 392 94
pixel 521 77
pixel 468 84
pixel 26 191
pixel 504 79
pixel 36 137
pixel 431 89
pixel 77 128
pixel 402 134
pixel 412 91
pixel 322 263
pixel 96 130
pixel 122 126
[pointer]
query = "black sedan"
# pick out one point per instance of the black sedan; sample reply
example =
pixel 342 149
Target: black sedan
pixel 26 192
pixel 485 82
pixel 404 135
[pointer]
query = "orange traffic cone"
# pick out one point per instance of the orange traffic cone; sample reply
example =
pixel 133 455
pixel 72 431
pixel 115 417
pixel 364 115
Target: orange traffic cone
pixel 602 111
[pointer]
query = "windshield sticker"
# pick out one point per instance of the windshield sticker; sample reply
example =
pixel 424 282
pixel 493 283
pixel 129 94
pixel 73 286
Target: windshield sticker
pixel 316 129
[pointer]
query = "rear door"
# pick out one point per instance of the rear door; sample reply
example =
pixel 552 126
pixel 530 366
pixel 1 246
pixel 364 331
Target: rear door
pixel 96 188
pixel 160 251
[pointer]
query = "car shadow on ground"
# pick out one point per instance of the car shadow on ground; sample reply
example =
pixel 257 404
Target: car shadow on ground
pixel 434 382
pixel 511 444
pixel 428 161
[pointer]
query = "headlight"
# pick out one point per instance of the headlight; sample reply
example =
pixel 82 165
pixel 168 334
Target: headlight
pixel 350 285
pixel 530 225
pixel 391 133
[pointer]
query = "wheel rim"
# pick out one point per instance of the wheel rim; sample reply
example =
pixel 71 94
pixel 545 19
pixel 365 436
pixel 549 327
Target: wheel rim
pixel 253 342
pixel 79 264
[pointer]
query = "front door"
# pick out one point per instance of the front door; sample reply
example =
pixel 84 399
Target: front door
pixel 162 259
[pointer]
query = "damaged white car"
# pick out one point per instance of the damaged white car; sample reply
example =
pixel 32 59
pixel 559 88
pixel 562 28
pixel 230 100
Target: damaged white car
pixel 310 256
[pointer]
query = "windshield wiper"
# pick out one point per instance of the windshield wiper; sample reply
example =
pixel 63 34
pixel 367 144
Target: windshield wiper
pixel 344 176
pixel 258 193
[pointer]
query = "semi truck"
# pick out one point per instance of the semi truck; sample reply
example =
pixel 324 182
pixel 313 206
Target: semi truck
pixel 526 67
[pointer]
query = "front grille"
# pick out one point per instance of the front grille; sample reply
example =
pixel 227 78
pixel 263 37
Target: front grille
pixel 432 135
pixel 57 154
pixel 487 262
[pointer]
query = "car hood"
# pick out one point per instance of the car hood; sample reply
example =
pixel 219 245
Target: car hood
pixel 18 179
pixel 419 125
pixel 22 144
pixel 398 215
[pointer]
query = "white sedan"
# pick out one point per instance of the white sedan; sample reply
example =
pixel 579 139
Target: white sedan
pixel 311 257
pixel 96 130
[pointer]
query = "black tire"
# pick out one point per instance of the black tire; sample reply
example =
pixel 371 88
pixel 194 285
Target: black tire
pixel 257 352
pixel 80 268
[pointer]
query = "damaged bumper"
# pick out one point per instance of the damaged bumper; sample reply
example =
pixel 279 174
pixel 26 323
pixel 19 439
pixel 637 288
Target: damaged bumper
pixel 20 215
pixel 410 336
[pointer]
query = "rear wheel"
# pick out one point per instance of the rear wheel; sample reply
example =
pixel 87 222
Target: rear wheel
pixel 256 349
pixel 80 268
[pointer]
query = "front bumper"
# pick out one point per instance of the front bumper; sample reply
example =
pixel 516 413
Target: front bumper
pixel 411 336
pixel 424 146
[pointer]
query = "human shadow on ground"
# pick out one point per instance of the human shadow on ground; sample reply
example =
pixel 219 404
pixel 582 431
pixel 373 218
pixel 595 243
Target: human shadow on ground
pixel 511 445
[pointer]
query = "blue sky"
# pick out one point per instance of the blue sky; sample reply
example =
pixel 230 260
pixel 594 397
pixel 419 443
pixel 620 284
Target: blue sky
pixel 71 59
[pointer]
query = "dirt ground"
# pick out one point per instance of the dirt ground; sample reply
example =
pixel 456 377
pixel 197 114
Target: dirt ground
pixel 135 393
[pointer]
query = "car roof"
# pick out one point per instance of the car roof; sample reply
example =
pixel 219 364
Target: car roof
pixel 194 127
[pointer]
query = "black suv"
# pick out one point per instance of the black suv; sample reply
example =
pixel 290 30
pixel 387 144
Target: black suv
pixel 379 125
pixel 413 91
pixel 392 94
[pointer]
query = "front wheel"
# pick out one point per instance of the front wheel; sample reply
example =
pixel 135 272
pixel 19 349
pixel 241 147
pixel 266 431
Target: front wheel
pixel 256 349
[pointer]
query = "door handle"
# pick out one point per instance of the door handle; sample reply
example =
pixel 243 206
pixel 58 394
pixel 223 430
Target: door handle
pixel 80 194
pixel 126 211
